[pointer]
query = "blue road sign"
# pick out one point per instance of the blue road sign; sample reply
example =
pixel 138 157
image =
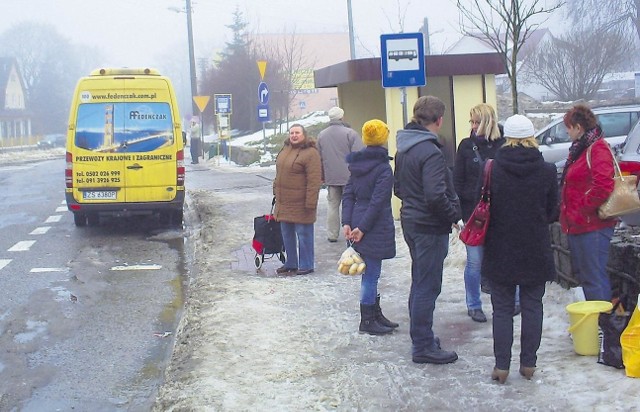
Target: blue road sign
pixel 223 103
pixel 263 112
pixel 402 58
pixel 263 93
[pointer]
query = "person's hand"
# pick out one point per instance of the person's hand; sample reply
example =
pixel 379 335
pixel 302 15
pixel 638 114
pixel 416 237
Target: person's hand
pixel 346 230
pixel 356 235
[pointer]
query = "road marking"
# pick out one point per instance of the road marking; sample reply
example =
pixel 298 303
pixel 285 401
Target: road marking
pixel 4 262
pixel 40 230
pixel 61 209
pixel 22 246
pixel 137 267
pixel 43 270
pixel 53 219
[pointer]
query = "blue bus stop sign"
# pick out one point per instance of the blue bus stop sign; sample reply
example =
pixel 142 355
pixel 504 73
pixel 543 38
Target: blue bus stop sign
pixel 402 58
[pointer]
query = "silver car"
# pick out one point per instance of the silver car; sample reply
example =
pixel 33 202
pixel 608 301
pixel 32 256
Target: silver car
pixel 616 122
pixel 628 155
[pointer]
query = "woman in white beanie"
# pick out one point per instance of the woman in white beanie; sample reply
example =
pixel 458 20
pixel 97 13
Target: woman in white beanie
pixel 517 248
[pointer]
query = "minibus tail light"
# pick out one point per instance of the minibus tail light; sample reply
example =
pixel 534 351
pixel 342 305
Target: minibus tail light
pixel 68 171
pixel 180 168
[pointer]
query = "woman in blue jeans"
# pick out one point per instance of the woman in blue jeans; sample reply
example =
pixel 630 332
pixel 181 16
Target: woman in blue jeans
pixel 368 221
pixel 296 188
pixel 482 144
pixel 587 182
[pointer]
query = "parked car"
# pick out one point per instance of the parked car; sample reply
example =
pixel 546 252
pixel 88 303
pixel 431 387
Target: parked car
pixel 52 140
pixel 616 122
pixel 628 155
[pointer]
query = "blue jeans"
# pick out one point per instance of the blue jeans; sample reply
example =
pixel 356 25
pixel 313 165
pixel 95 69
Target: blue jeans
pixel 472 276
pixel 369 281
pixel 502 300
pixel 589 257
pixel 427 258
pixel 294 236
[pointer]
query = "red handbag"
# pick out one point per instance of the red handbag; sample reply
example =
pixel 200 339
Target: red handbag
pixel 475 229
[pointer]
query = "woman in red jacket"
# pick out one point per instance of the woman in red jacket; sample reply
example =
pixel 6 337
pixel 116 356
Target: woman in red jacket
pixel 587 182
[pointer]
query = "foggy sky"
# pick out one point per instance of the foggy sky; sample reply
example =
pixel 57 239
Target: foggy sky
pixel 136 32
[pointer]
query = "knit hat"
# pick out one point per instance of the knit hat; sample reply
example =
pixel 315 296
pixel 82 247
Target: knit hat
pixel 336 113
pixel 375 133
pixel 518 127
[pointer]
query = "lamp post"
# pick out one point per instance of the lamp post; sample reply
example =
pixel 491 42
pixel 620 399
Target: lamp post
pixel 352 47
pixel 192 60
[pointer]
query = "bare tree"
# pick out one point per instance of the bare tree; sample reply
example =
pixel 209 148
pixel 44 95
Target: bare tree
pixel 571 68
pixel 609 13
pixel 50 66
pixel 505 25
pixel 289 63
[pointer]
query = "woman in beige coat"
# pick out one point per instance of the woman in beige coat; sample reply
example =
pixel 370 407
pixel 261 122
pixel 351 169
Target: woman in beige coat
pixel 296 187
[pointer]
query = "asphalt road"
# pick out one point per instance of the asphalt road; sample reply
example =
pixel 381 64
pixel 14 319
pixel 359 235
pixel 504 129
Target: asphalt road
pixel 87 315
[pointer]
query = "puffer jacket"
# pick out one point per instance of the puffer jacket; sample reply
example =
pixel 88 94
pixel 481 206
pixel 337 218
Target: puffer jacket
pixel 584 189
pixel 467 170
pixel 366 202
pixel 297 183
pixel 335 143
pixel 424 183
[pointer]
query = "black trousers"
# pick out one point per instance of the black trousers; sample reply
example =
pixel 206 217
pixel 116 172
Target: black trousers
pixel 195 150
pixel 503 301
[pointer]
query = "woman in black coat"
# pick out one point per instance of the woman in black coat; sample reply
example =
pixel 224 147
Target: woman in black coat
pixel 368 221
pixel 517 248
pixel 473 151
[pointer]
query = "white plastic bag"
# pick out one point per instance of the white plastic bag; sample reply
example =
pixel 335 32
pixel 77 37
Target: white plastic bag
pixel 350 263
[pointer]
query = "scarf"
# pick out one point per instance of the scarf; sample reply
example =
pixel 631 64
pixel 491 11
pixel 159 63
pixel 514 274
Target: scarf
pixel 580 145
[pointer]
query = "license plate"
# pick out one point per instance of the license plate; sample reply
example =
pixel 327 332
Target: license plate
pixel 99 195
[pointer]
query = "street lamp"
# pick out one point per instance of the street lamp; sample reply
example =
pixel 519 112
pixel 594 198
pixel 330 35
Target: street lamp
pixel 192 60
pixel 352 47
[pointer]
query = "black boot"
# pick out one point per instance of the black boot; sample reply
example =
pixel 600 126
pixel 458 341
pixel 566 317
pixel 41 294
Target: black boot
pixel 368 322
pixel 380 317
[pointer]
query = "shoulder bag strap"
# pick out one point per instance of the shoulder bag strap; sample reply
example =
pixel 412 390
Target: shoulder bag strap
pixel 616 166
pixel 486 184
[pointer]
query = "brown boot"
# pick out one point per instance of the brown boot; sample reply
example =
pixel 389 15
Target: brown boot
pixel 499 375
pixel 527 371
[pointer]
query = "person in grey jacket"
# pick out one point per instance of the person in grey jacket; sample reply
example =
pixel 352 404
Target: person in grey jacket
pixel 335 142
pixel 430 206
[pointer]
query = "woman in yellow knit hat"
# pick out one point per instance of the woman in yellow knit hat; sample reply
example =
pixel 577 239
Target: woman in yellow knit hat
pixel 367 220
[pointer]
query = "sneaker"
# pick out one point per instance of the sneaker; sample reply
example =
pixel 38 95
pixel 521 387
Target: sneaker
pixel 332 240
pixel 285 271
pixel 438 357
pixel 477 315
pixel 305 271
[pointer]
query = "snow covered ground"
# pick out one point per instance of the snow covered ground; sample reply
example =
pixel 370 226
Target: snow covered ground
pixel 256 341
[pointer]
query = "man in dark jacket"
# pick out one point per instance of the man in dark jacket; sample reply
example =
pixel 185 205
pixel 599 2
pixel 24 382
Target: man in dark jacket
pixel 430 207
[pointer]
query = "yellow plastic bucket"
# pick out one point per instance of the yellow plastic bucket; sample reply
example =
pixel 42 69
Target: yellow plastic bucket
pixel 583 318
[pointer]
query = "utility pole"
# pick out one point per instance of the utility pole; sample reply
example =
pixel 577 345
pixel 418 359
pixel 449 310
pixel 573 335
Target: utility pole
pixel 352 44
pixel 192 60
